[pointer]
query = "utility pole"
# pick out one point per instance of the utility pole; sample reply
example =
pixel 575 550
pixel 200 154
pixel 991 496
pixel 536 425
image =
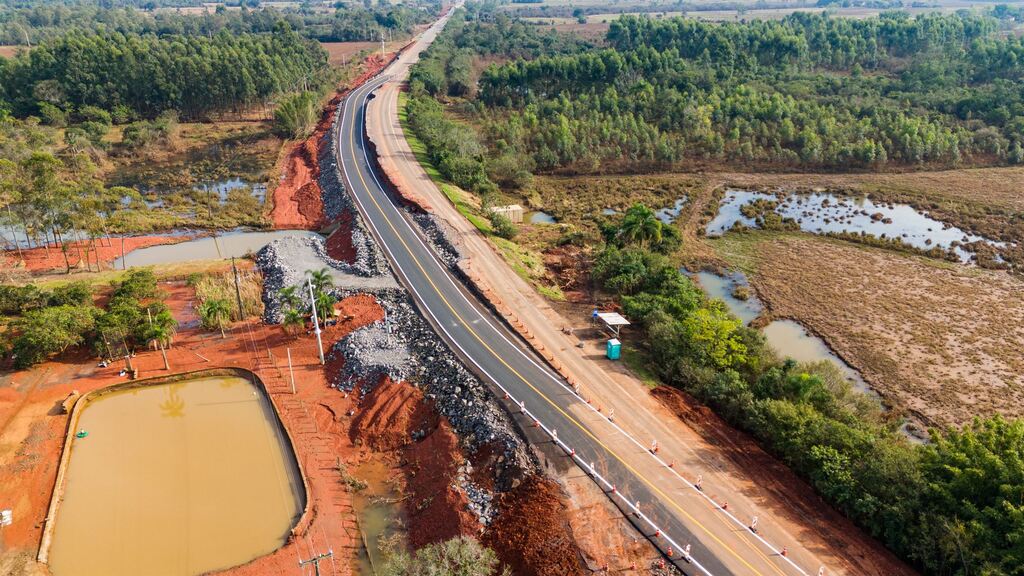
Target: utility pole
pixel 290 373
pixel 238 291
pixel 316 323
pixel 382 44
pixel 315 561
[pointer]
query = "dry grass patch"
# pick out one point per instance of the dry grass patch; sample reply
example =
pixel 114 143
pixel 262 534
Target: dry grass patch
pixel 942 341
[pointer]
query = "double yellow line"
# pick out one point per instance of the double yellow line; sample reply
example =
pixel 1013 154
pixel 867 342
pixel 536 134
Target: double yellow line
pixel 466 325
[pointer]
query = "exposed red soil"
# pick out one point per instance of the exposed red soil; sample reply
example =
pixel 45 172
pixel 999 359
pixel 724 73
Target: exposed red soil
pixel 297 201
pixel 339 244
pixel 51 257
pixel 531 533
pixel 32 428
pixel 387 419
pixel 803 505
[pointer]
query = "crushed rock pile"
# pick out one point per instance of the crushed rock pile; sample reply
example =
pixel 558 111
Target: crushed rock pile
pixel 439 235
pixel 285 261
pixel 413 352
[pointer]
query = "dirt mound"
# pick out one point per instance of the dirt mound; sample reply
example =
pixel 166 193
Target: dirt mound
pixel 531 533
pixel 436 511
pixel 395 417
pixel 389 415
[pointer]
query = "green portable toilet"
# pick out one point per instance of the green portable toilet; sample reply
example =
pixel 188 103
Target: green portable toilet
pixel 614 349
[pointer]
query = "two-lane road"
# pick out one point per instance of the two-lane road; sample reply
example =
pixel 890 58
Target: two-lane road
pixel 719 546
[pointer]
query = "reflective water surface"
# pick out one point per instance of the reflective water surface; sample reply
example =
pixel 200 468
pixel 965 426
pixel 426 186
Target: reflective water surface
pixel 238 243
pixel 176 479
pixel 821 213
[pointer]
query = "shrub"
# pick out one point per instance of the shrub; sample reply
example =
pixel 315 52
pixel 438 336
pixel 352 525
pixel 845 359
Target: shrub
pixel 503 226
pixel 73 293
pixel 50 331
pixel 460 556
pixel 296 114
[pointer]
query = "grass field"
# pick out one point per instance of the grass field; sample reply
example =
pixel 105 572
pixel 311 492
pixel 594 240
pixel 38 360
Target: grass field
pixel 940 340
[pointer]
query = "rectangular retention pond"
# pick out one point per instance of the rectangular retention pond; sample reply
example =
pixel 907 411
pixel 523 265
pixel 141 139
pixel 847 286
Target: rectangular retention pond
pixel 175 479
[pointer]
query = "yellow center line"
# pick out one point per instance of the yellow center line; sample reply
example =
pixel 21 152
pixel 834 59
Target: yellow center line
pixel 583 429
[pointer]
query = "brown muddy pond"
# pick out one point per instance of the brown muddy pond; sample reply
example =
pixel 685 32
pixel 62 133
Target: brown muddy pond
pixel 176 479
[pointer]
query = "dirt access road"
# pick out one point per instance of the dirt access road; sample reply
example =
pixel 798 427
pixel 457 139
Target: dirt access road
pixel 789 516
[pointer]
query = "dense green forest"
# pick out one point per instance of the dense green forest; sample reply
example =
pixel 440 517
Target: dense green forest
pixel 40 22
pixel 143 76
pixel 808 91
pixel 950 507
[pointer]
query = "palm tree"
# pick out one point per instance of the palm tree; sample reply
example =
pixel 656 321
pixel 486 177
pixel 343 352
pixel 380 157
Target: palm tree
pixel 324 306
pixel 640 225
pixel 214 313
pixel 160 335
pixel 321 279
pixel 289 297
pixel 293 321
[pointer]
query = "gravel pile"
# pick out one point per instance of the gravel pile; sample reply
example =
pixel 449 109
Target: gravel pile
pixel 439 236
pixel 332 189
pixel 285 261
pixel 371 353
pixel 421 357
pixel 480 500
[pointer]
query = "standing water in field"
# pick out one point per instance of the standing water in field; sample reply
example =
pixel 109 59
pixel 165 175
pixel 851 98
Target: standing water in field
pixel 821 213
pixel 176 479
pixel 378 509
pixel 788 338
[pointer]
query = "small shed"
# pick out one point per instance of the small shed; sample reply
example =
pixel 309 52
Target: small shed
pixel 513 212
pixel 613 321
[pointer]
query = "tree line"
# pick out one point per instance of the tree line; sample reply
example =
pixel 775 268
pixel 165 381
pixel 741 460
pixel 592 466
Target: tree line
pixel 950 507
pixel 194 75
pixel 32 25
pixel 808 91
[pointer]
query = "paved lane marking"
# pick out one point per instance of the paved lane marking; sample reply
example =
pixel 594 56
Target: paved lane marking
pixel 366 89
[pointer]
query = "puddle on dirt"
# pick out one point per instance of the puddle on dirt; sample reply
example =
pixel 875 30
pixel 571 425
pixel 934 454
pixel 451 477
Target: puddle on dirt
pixel 822 213
pixel 176 479
pixel 789 338
pixel 378 511
pixel 669 214
pixel 542 218
pixel 238 243
pixel 609 211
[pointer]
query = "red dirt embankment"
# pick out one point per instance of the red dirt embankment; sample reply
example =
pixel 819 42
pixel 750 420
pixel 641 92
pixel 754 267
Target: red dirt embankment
pixel 51 257
pixel 297 201
pixel 773 476
pixel 531 533
pixel 388 417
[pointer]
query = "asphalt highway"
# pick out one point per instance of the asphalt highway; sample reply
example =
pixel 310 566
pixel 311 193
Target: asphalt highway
pixel 684 516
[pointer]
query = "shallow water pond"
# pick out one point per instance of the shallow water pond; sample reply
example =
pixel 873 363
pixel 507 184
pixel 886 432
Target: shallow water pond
pixel 669 214
pixel 822 213
pixel 237 244
pixel 379 513
pixel 789 338
pixel 176 479
pixel 542 218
